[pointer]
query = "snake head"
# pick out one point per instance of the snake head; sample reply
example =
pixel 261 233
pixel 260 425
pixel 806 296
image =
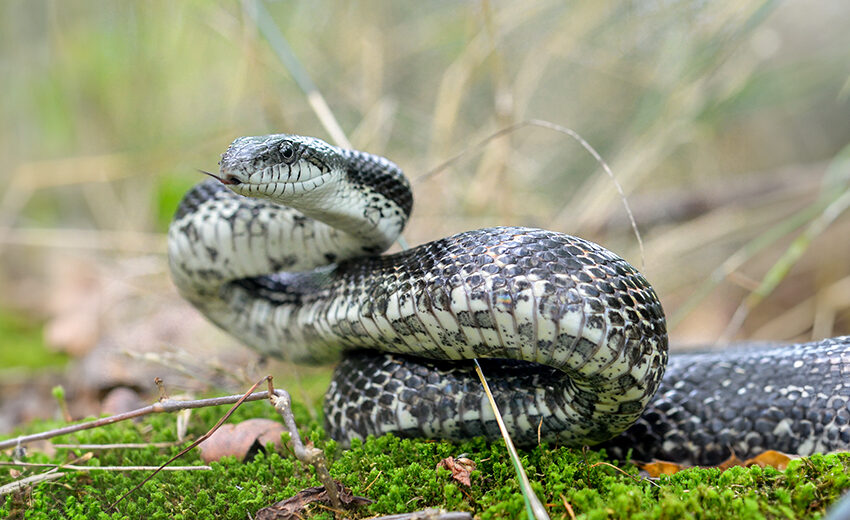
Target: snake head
pixel 278 166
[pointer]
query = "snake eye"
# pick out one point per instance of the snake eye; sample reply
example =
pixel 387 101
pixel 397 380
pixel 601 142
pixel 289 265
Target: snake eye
pixel 287 151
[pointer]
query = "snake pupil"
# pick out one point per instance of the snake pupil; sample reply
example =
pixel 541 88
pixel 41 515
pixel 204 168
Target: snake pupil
pixel 287 151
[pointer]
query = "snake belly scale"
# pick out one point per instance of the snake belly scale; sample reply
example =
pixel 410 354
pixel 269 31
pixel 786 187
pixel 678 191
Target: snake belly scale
pixel 283 251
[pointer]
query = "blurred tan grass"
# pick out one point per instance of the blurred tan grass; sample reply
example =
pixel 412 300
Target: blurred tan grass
pixel 108 104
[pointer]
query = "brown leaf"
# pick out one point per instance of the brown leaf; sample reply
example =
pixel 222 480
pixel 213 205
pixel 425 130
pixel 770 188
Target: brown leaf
pixel 772 458
pixel 238 439
pixel 731 462
pixel 293 508
pixel 460 468
pixel 660 467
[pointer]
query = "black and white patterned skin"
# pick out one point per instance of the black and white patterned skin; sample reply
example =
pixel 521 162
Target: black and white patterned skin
pixel 794 399
pixel 283 252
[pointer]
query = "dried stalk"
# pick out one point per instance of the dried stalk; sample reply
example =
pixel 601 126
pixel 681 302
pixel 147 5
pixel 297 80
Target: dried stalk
pixel 306 454
pixel 105 468
pixel 167 406
pixel 427 514
pixel 24 482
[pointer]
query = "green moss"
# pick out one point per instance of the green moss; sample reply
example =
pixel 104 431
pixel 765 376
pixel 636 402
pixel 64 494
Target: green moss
pixel 400 475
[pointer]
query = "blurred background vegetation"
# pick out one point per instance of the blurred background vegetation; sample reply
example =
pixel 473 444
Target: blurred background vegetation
pixel 726 122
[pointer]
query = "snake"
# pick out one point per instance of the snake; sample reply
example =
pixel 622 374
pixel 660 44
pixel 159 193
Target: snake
pixel 284 248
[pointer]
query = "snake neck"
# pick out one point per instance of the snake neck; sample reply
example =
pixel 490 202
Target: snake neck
pixel 368 198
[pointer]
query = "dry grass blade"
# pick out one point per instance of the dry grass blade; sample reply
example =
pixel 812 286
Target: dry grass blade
pixel 533 506
pixel 457 76
pixel 740 257
pixel 824 306
pixel 633 477
pixel 569 508
pixel 265 22
pixel 549 126
pixel 119 446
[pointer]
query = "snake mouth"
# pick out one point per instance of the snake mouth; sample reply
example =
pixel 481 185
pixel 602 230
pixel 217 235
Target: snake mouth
pixel 274 180
pixel 227 179
pixel 291 187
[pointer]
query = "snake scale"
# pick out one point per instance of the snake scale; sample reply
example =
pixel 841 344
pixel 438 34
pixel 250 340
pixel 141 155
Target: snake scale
pixel 282 249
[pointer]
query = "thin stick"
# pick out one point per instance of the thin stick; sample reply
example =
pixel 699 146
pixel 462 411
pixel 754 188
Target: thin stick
pixel 168 406
pixel 380 472
pixel 119 446
pixel 24 482
pixel 50 474
pixel 307 454
pixel 427 514
pixel 568 507
pixel 104 468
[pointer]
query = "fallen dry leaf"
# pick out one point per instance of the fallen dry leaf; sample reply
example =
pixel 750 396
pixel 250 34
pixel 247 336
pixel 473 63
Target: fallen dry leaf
pixel 731 462
pixel 772 458
pixel 460 468
pixel 239 439
pixel 293 508
pixel 660 467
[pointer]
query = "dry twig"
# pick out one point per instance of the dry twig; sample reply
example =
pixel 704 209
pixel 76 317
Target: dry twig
pixel 105 468
pixel 427 514
pixel 306 454
pixel 168 406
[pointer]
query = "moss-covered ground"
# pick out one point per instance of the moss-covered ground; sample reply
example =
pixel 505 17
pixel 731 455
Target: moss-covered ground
pixel 400 475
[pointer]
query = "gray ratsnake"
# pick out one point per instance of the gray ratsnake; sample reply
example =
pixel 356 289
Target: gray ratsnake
pixel 283 251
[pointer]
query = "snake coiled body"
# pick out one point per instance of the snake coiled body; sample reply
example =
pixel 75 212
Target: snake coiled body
pixel 283 252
